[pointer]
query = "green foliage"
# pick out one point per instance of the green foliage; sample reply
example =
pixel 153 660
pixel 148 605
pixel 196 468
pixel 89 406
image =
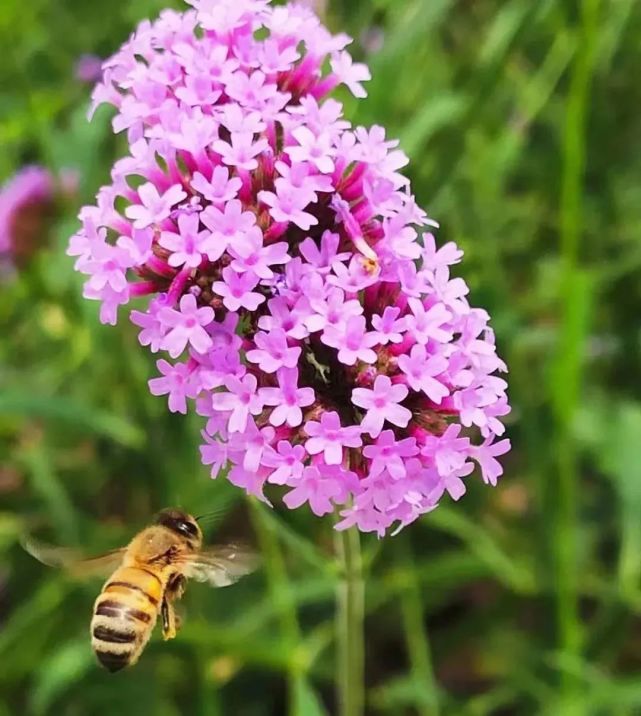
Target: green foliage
pixel 522 122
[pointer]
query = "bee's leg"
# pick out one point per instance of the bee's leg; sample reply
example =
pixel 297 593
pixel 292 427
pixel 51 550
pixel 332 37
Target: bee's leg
pixel 170 620
pixel 177 587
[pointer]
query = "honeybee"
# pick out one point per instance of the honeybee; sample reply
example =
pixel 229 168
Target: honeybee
pixel 147 577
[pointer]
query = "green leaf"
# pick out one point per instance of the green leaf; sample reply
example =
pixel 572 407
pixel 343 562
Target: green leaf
pixel 60 671
pixel 507 568
pixel 306 700
pixel 80 416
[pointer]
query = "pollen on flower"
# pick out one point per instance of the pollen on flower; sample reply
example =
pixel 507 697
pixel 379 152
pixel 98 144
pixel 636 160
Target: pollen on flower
pixel 291 277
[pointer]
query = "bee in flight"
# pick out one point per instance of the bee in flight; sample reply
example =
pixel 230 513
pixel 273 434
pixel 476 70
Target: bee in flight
pixel 147 577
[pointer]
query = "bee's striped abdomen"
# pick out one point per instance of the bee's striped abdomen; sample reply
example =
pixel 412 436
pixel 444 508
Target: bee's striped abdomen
pixel 124 616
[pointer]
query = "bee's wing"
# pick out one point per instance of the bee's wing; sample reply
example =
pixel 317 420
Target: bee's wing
pixel 71 561
pixel 221 566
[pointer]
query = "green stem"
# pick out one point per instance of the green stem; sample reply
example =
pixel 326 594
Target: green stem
pixel 418 646
pixel 281 594
pixel 575 292
pixel 350 612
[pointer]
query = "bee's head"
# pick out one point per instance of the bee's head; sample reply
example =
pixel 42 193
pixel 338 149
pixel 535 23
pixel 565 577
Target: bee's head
pixel 180 522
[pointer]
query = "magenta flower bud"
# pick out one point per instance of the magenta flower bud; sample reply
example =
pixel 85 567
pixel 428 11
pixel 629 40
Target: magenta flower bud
pixel 310 317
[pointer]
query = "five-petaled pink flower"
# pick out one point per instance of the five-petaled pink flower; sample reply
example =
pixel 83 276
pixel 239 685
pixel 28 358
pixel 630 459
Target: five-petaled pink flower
pixel 421 369
pixel 382 404
pixel 154 207
pixel 352 341
pixel 242 400
pixel 288 399
pixel 186 326
pixel 273 352
pixel 329 437
pixel 236 290
pixel 175 382
pixel 186 244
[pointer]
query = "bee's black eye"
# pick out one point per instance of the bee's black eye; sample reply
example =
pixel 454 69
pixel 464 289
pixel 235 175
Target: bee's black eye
pixel 177 522
pixel 186 528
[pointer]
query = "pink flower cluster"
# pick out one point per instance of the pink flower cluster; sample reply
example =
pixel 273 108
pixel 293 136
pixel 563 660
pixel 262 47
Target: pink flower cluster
pixel 304 305
pixel 25 199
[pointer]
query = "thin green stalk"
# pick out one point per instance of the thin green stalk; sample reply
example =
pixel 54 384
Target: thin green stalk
pixel 418 646
pixel 575 292
pixel 350 613
pixel 278 585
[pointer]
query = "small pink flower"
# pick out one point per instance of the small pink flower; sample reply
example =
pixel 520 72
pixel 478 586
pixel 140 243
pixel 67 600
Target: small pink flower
pixel 288 399
pixel 351 74
pixel 315 489
pixel 186 244
pixel 289 205
pixel 241 152
pixel 288 460
pixel 186 326
pixel 107 265
pixel 250 90
pixel 220 188
pixel 251 255
pixel 217 453
pixel 256 443
pixel 315 149
pixel 154 207
pixel 153 329
pixel 352 341
pixel 227 227
pixel 382 404
pixel 198 91
pixel 242 400
pixel 426 324
pixel 390 454
pixel 302 176
pixel 448 451
pixel 421 369
pixel 323 257
pixel 290 320
pixel 332 310
pixel 355 277
pixel 236 290
pixel 329 437
pixel 238 121
pixel 273 352
pixel 486 455
pixel 389 328
pixel 175 382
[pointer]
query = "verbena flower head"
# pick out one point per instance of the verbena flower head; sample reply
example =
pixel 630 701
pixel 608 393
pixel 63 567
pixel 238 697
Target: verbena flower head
pixel 26 204
pixel 295 290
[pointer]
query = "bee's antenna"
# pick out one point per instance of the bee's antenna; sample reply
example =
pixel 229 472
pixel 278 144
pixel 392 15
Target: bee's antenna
pixel 208 516
pixel 224 504
pixel 213 515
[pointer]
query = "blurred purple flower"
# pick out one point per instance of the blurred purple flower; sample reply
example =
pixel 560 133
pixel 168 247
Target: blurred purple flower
pixel 294 279
pixel 88 68
pixel 26 207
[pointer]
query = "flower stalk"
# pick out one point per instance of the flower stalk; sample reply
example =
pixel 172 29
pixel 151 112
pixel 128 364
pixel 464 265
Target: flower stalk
pixel 350 613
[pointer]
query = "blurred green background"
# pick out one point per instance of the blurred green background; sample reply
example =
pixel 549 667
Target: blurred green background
pixel 522 121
